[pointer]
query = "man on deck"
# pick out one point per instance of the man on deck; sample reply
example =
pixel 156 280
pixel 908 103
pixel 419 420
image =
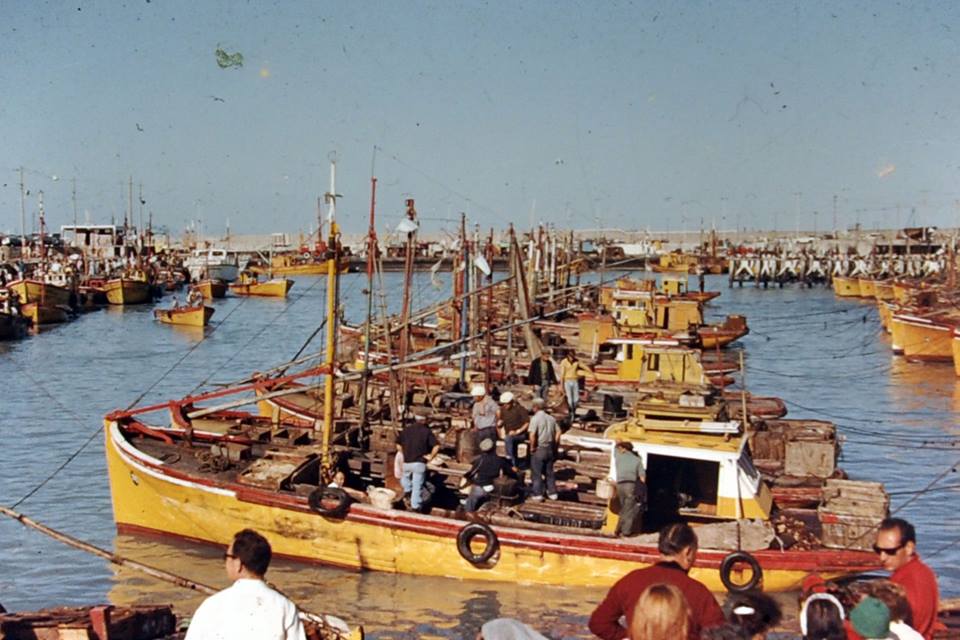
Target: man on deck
pixel 484 413
pixel 897 547
pixel 514 421
pixel 678 550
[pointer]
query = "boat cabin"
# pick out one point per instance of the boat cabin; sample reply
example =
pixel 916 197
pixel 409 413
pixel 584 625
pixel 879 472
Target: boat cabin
pixel 635 310
pixel 648 360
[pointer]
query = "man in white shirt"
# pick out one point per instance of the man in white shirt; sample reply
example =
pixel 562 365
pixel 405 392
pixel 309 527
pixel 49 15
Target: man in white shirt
pixel 249 609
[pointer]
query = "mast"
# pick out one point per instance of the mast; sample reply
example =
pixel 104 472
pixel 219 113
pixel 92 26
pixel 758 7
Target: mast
pixel 490 315
pixel 333 246
pixel 371 257
pixel 23 218
pixel 465 292
pixel 407 278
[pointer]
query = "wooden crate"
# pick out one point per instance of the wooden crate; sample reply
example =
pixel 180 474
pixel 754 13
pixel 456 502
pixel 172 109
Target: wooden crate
pixel 807 458
pixel 856 498
pixel 844 531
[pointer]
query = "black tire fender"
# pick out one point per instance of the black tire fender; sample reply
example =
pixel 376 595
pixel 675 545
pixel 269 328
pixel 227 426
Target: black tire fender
pixel 466 536
pixel 329 501
pixel 733 559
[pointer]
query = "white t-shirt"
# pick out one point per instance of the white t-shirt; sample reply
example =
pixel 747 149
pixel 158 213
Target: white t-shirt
pixel 248 610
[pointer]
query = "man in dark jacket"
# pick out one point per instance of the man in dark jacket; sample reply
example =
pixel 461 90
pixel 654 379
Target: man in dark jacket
pixel 484 469
pixel 541 374
pixel 678 550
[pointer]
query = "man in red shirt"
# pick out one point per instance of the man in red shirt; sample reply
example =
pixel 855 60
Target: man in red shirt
pixel 678 550
pixel 897 547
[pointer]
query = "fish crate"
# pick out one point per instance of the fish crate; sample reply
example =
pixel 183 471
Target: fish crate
pixel 845 531
pixel 383 438
pixel 856 498
pixel 806 458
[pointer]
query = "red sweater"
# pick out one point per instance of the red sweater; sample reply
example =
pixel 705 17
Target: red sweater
pixel 623 596
pixel 920 584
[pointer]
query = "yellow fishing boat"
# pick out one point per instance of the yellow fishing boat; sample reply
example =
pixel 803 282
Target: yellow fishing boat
pixel 39 314
pixel 197 316
pixel 845 287
pixel 867 287
pixel 923 336
pixel 33 290
pixel 211 289
pixel 249 285
pixel 128 290
pixel 883 289
pixel 885 310
pixel 956 349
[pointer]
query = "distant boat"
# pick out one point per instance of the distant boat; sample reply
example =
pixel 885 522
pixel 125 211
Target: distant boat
pixel 197 316
pixel 211 288
pixel 35 290
pixel 39 314
pixel 216 264
pixel 251 286
pixel 128 290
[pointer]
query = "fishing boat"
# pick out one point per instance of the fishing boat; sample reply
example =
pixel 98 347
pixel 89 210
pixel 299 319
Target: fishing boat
pixel 211 289
pixel 213 264
pixel 846 287
pixel 196 316
pixel 923 336
pixel 40 314
pixel 250 285
pixel 955 346
pixel 200 468
pixel 128 289
pixel 12 325
pixel 136 622
pixel 38 290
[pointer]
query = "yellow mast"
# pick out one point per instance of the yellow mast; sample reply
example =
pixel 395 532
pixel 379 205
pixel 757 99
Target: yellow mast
pixel 333 269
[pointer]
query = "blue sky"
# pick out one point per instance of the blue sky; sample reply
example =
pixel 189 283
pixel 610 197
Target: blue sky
pixel 631 115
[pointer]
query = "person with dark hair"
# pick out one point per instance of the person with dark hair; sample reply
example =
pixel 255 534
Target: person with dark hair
pixel 821 618
pixel 678 551
pixel 754 613
pixel 542 375
pixel 631 488
pixel 249 609
pixel 897 547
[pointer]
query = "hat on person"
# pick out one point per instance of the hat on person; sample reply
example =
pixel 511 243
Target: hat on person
pixel 509 629
pixel 506 397
pixel 871 618
pixel 478 390
pixel 821 595
pixel 486 444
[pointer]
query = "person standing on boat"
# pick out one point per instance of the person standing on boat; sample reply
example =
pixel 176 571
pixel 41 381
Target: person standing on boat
pixel 418 445
pixel 249 609
pixel 542 375
pixel 678 551
pixel 544 441
pixel 570 370
pixel 631 488
pixel 514 423
pixel 897 547
pixel 484 470
pixel 484 413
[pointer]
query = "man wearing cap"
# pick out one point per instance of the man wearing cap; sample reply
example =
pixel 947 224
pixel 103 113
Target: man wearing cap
pixel 484 413
pixel 484 469
pixel 418 445
pixel 897 547
pixel 544 440
pixel 514 421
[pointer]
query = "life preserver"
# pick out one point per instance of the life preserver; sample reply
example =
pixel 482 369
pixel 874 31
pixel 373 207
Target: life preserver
pixel 466 536
pixel 320 500
pixel 733 559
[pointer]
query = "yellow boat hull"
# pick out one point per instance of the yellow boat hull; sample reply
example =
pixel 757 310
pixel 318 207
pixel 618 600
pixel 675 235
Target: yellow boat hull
pixel 883 290
pixel 885 310
pixel 185 316
pixel 41 314
pixel 922 339
pixel 49 295
pixel 277 288
pixel 148 499
pixel 867 288
pixel 127 291
pixel 845 287
pixel 211 289
pixel 955 344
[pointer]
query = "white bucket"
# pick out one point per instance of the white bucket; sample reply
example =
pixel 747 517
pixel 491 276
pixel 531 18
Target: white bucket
pixel 605 489
pixel 382 498
pixel 522 450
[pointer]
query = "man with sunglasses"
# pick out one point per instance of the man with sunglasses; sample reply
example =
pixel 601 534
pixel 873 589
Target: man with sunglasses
pixel 897 547
pixel 249 609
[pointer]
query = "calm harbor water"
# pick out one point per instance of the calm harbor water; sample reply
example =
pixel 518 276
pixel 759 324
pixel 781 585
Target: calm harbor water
pixel 828 358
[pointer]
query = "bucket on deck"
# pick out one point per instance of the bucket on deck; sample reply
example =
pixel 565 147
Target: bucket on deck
pixel 606 489
pixel 382 498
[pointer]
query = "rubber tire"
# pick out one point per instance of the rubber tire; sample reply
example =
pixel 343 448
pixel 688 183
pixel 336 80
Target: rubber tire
pixel 466 536
pixel 317 497
pixel 726 568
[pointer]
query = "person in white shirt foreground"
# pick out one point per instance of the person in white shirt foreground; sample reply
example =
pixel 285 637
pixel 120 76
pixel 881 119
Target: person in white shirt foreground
pixel 249 609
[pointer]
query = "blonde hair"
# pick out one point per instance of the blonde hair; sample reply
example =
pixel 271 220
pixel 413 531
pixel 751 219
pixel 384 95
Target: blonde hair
pixel 661 613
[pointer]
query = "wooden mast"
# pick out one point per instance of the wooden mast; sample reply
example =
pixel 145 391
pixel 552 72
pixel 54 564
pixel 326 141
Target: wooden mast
pixel 333 269
pixel 407 285
pixel 371 258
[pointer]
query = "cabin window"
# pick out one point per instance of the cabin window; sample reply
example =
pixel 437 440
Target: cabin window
pixel 629 352
pixel 653 364
pixel 678 486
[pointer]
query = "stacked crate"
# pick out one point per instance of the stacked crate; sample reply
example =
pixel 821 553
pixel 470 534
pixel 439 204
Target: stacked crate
pixel 851 512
